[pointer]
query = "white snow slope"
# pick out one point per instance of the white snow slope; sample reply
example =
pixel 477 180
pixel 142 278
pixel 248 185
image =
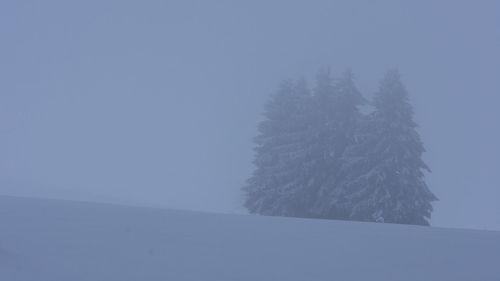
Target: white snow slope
pixel 51 240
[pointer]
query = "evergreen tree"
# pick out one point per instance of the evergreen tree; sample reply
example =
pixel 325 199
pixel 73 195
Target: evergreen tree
pixel 278 185
pixel 385 179
pixel 339 103
pixel 321 128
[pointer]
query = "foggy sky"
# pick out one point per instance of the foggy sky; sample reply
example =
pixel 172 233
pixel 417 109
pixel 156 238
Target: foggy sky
pixel 156 102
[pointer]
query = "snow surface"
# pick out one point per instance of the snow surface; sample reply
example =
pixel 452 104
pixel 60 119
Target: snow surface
pixel 50 240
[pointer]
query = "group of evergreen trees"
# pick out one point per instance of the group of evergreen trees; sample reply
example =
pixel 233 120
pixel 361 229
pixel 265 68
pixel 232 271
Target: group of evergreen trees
pixel 318 156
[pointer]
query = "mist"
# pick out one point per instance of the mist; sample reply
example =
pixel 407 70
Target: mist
pixel 156 103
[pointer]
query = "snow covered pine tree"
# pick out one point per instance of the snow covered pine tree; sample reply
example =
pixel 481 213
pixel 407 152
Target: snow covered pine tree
pixel 337 105
pixel 385 181
pixel 279 182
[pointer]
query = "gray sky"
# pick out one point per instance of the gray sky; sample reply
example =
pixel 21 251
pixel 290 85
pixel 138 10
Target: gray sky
pixel 156 102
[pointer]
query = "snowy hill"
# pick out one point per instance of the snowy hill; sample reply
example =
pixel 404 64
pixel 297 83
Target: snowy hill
pixel 50 240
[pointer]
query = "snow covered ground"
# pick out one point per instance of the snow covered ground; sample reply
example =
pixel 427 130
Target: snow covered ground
pixel 51 240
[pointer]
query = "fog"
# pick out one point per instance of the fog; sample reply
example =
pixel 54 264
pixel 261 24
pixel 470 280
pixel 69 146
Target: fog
pixel 156 102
